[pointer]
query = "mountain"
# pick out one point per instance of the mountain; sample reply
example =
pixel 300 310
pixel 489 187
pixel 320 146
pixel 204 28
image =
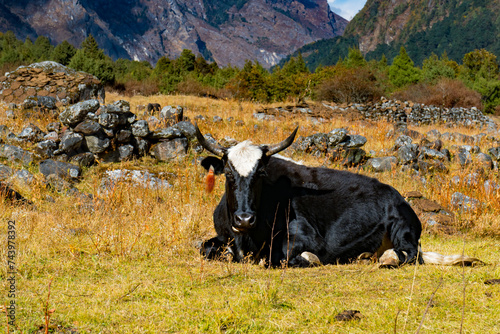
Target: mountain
pixel 423 27
pixel 227 31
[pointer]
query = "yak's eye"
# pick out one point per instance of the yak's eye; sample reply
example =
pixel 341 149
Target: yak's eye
pixel 229 176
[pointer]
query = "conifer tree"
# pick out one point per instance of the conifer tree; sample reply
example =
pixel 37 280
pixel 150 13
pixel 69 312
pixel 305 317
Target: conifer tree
pixel 402 72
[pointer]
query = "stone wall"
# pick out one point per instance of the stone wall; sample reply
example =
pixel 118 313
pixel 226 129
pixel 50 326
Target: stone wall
pixel 52 82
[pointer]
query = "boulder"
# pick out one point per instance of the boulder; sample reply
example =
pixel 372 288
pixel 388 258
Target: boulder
pixel 170 149
pixel 62 169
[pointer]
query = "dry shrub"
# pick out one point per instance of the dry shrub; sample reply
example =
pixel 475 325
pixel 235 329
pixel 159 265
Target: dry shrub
pixel 134 87
pixel 356 85
pixel 193 87
pixel 447 93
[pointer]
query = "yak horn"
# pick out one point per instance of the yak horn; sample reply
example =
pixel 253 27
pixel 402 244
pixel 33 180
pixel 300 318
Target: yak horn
pixel 213 148
pixel 273 149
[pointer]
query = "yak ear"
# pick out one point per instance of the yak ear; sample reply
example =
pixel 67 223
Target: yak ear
pixel 216 163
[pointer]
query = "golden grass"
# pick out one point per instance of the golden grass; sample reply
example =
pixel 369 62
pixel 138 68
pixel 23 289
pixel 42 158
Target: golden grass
pixel 126 262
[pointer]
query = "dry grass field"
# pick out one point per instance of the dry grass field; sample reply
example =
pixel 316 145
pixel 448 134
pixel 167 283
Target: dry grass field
pixel 127 261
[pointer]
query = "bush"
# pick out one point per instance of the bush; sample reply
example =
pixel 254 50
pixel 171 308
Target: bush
pixel 135 87
pixel 446 93
pixel 356 85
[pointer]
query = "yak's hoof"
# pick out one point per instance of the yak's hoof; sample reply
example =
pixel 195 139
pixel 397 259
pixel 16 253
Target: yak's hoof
pixel 311 258
pixel 389 259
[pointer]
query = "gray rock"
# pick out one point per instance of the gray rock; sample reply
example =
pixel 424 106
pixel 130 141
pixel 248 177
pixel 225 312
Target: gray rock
pixel 120 106
pixel 76 113
pixel 431 166
pixel 433 134
pixel 62 169
pixel 320 141
pixel 124 136
pixel 140 129
pixel 187 129
pixel 138 178
pixel 407 154
pixel 174 114
pixel 164 134
pixel 5 172
pixel 85 159
pixel 427 153
pixel 111 120
pixel 264 117
pixel 495 153
pixel 464 157
pixel 22 177
pixel 485 160
pixel 126 152
pixel 402 140
pixel 88 128
pixel 463 202
pixel 353 141
pixel 42 102
pixel 55 126
pixel 31 133
pixel 382 164
pixel 336 136
pixel 45 149
pixel 70 142
pixel 96 144
pixel 491 187
pixel 171 149
pixel 58 183
pixel 16 154
pixel 353 157
pixel 141 145
pixel 52 135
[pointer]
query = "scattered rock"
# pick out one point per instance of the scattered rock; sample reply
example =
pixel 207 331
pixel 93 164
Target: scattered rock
pixel 62 169
pixel 348 315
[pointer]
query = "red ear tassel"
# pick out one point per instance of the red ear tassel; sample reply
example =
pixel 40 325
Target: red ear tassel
pixel 210 180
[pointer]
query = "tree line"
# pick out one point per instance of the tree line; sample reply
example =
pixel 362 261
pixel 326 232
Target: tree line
pixel 353 79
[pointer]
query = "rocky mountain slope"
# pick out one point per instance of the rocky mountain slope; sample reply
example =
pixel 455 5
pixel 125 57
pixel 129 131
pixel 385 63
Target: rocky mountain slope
pixel 228 31
pixel 422 26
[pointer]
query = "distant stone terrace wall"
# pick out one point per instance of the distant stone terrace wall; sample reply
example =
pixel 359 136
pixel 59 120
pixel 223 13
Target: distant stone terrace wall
pixel 49 79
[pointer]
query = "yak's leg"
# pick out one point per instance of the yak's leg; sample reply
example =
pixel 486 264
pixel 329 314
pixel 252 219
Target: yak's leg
pixel 297 245
pixel 215 248
pixel 404 234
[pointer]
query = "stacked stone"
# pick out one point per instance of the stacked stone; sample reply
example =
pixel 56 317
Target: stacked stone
pixel 48 81
pixel 108 133
pixel 419 114
pixel 338 145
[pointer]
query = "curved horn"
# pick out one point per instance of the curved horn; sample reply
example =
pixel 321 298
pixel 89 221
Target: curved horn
pixel 215 149
pixel 273 149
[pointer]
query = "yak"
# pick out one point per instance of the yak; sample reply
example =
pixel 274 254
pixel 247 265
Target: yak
pixel 285 213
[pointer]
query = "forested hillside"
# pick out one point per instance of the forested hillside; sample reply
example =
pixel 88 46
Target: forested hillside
pixel 422 27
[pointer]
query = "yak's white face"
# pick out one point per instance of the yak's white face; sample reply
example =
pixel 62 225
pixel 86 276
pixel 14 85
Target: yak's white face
pixel 244 157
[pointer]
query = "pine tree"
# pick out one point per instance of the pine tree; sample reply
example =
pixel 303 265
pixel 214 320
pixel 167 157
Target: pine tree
pixel 402 72
pixel 63 53
pixel 91 49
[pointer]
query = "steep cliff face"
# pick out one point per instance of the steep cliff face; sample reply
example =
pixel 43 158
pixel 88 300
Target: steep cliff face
pixel 228 31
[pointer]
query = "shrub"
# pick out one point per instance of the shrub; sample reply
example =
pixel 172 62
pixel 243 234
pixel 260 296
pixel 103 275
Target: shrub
pixel 134 87
pixel 357 85
pixel 446 93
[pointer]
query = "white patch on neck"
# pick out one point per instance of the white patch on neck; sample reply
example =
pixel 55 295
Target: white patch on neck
pixel 244 157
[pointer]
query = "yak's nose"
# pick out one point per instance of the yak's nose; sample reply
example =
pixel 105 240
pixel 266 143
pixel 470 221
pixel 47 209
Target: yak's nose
pixel 244 220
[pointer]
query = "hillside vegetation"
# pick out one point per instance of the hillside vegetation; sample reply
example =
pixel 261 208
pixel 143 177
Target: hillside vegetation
pixel 126 261
pixel 477 76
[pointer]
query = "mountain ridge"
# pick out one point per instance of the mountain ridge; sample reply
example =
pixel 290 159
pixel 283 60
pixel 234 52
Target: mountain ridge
pixel 228 32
